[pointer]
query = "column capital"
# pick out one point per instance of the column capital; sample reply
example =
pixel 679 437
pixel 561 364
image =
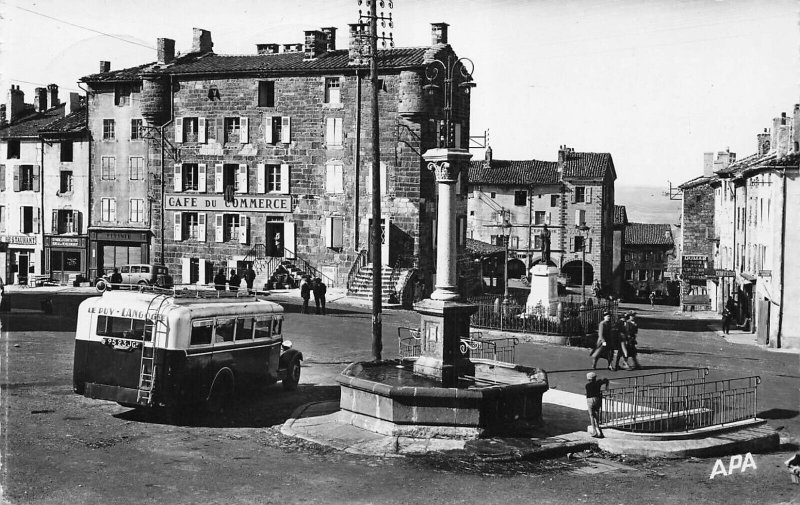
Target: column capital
pixel 446 164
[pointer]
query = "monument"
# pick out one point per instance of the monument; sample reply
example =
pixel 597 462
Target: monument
pixel 543 297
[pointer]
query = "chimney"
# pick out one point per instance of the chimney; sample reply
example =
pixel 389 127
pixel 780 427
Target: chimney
pixel 330 38
pixel 105 66
pixel 165 51
pixel 201 41
pixel 439 33
pixel 40 99
pixel 796 128
pixel 16 103
pixel 267 48
pixel 563 154
pixel 783 140
pixel 764 144
pixel 488 154
pixel 708 164
pixel 74 102
pixel 3 115
pixel 292 48
pixel 358 49
pixel 52 90
pixel 315 44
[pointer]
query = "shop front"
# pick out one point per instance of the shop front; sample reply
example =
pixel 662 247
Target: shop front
pixel 65 258
pixel 20 257
pixel 114 247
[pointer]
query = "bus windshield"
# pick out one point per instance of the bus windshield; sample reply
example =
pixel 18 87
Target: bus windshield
pixel 120 327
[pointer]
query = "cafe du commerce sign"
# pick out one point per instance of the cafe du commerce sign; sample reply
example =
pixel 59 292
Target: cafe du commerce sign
pixel 246 203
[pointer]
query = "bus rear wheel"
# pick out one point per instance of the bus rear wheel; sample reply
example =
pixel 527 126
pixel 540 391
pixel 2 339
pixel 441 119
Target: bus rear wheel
pixel 220 396
pixel 292 378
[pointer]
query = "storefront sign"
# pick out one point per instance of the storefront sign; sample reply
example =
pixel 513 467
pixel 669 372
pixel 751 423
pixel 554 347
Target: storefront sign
pixel 18 239
pixel 694 267
pixel 65 241
pixel 121 236
pixel 765 273
pixel 720 272
pixel 238 204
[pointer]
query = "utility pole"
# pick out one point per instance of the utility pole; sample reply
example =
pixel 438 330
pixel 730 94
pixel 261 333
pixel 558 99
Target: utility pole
pixel 376 231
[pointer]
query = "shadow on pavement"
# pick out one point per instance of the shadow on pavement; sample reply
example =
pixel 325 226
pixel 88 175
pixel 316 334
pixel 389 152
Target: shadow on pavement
pixel 257 409
pixel 778 414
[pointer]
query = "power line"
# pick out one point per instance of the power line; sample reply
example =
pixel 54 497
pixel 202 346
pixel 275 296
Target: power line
pixel 11 79
pixel 84 27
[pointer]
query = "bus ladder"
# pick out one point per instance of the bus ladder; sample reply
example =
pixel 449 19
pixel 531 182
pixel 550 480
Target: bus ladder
pixel 147 368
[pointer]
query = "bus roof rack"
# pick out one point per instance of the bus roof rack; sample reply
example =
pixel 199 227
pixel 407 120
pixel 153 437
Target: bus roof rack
pixel 189 291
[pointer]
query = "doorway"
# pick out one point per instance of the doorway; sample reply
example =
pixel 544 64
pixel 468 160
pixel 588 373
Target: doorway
pixel 385 227
pixel 275 238
pixel 23 265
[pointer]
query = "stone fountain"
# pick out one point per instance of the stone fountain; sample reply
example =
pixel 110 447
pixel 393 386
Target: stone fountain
pixel 442 393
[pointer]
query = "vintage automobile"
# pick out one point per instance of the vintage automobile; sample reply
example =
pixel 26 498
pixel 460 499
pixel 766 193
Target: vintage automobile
pixel 141 274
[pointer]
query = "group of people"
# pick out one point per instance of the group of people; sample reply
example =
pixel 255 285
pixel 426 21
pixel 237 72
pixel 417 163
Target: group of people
pixel 234 282
pixel 617 341
pixel 307 286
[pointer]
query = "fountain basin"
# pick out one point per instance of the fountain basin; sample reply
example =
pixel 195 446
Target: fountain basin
pixel 388 398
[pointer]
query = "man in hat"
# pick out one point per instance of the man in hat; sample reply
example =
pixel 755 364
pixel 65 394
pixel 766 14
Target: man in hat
pixel 605 341
pixel 594 401
pixel 633 331
pixel 622 343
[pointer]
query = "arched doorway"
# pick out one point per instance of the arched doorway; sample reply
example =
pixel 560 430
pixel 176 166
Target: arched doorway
pixel 516 268
pixel 572 271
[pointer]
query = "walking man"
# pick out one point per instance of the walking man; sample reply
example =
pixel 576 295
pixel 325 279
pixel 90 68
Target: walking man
pixel 652 298
pixel 727 315
pixel 319 295
pixel 594 401
pixel 220 280
pixel 305 294
pixel 633 332
pixel 604 340
pixel 249 278
pixel 622 343
pixel 235 281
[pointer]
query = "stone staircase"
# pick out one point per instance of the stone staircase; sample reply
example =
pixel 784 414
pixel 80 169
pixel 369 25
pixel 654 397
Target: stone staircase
pixel 265 268
pixel 361 284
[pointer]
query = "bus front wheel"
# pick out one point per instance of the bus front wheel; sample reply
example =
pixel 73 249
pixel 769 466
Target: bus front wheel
pixel 292 376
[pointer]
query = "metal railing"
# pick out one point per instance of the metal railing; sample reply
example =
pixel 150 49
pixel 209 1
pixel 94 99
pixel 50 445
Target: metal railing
pixel 259 252
pixel 661 378
pixel 359 262
pixel 570 321
pixel 683 405
pixel 409 343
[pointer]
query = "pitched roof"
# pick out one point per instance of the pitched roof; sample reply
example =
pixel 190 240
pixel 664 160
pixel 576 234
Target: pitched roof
pixel 620 214
pixel 30 124
pixel 513 173
pixel 648 234
pixel 698 181
pixel 588 165
pixel 74 122
pixel 211 63
pixel 480 248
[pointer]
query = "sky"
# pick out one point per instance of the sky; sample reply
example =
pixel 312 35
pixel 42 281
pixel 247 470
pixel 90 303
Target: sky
pixel 655 83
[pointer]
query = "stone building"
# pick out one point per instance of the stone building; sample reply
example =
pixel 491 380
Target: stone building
pixel 21 189
pixel 268 155
pixel 648 251
pixel 573 197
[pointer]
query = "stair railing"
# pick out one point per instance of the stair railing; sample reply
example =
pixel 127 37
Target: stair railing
pixel 306 267
pixel 258 252
pixel 355 268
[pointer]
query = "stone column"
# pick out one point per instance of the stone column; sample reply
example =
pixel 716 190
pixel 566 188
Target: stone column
pixel 446 164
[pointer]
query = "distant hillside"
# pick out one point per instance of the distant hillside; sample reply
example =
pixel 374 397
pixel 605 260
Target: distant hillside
pixel 647 204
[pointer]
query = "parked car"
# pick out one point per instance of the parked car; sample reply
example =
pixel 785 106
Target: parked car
pixel 139 273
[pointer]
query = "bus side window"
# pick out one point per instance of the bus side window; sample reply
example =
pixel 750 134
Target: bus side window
pixel 201 332
pixel 244 328
pixel 263 327
pixel 276 325
pixel 225 329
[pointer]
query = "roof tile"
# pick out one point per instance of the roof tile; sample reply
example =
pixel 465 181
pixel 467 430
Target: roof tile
pixel 648 234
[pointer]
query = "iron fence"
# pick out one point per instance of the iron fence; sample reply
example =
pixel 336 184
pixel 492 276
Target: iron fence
pixel 500 349
pixel 568 320
pixel 661 378
pixel 682 405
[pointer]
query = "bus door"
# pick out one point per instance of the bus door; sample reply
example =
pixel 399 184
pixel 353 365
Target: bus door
pixel 248 355
pixel 223 355
pixel 267 333
pixel 196 382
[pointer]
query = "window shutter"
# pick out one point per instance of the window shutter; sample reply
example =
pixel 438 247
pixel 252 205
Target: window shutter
pixel 202 178
pixel 243 229
pixel 201 130
pixel 588 194
pixel 54 226
pixel 589 245
pixel 176 180
pixel 2 177
pixel 338 131
pixel 37 178
pixel 22 219
pixel 268 130
pixel 78 222
pixel 37 212
pixel 219 234
pixel 547 218
pixel 16 177
pixel 261 183
pixel 384 189
pixel 328 232
pixel 242 178
pixel 579 219
pixel 285 178
pixel 201 227
pixel 334 232
pixel 178 129
pixel 177 232
pixel 288 240
pixel 330 178
pixel 457 135
pixel 286 129
pixel 113 209
pixel 244 130
pixel 186 270
pixel 218 178
pixel 572 244
pixel 330 131
pixel 574 197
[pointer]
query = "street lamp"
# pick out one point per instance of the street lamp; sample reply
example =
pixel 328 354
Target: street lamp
pixel 454 70
pixel 585 230
pixel 506 227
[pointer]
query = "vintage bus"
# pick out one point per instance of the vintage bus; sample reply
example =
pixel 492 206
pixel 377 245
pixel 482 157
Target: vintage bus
pixel 152 347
